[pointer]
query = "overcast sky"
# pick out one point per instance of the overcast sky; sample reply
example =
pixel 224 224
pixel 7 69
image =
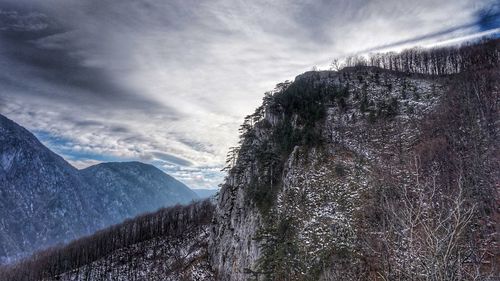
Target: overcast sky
pixel 169 81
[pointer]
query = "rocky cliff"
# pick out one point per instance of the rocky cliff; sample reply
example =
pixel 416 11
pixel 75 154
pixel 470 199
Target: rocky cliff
pixel 368 174
pixel 304 163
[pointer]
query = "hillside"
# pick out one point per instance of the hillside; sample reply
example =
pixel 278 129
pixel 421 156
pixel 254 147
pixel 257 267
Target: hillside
pixel 386 169
pixel 45 201
pixel 368 174
pixel 169 244
pixel 43 198
pixel 131 188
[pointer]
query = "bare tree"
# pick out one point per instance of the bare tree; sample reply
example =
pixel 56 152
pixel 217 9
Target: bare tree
pixel 427 232
pixel 336 65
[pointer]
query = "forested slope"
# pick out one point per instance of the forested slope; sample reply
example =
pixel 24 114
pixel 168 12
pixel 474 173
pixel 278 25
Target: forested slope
pixel 384 170
pixel 169 244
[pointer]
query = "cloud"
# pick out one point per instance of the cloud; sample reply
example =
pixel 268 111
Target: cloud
pixel 83 163
pixel 169 82
pixel 165 157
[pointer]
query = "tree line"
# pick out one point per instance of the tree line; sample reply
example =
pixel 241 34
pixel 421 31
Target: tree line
pixel 170 222
pixel 432 61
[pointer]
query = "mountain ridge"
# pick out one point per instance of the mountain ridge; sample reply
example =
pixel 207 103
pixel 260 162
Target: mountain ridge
pixel 141 185
pixel 45 200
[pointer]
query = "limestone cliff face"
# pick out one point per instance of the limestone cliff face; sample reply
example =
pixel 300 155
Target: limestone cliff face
pixel 338 173
pixel 232 245
pixel 303 164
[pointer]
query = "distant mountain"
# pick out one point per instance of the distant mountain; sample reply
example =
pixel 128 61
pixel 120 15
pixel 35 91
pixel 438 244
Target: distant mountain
pixel 44 200
pixel 131 188
pixel 205 193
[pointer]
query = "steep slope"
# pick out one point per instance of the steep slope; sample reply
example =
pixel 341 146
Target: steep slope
pixel 130 188
pixel 303 165
pixel 169 244
pixel 368 174
pixel 43 199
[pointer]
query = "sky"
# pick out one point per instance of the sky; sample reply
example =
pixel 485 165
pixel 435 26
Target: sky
pixel 168 82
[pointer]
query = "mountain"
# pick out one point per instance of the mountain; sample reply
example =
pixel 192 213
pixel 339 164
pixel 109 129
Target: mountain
pixel 386 169
pixel 44 200
pixel 205 193
pixel 127 189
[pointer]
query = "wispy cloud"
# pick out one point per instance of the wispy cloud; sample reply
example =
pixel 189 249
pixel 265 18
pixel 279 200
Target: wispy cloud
pixel 168 82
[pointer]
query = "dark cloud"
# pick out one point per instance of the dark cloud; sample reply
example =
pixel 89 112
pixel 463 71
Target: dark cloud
pixel 13 21
pixel 118 129
pixel 485 19
pixel 39 56
pixel 489 17
pixel 171 158
pixel 88 123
